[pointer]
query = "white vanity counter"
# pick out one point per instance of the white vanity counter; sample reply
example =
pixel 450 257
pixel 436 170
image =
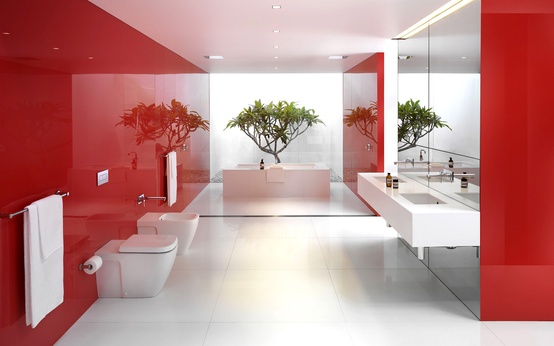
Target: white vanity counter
pixel 412 210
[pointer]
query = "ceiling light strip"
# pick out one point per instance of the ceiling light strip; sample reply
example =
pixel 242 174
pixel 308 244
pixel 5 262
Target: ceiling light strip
pixel 447 9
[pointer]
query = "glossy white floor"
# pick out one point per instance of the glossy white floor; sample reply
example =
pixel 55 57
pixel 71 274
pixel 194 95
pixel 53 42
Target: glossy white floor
pixel 302 279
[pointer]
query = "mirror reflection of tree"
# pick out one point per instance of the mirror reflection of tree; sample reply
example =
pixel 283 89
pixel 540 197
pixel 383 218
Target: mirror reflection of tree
pixel 415 122
pixel 364 120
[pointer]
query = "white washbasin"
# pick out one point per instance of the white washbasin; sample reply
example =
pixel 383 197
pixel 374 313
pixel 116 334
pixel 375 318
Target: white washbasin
pixel 421 198
pixel 179 216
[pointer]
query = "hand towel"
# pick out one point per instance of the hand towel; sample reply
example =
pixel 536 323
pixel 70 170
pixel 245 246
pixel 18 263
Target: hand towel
pixel 43 258
pixel 50 224
pixel 171 176
pixel 275 174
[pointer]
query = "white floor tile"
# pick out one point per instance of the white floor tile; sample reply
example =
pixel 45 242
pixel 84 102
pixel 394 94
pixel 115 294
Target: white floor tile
pixel 523 333
pixel 352 226
pixel 277 296
pixel 277 253
pixel 371 295
pixel 277 227
pixel 415 333
pixel 278 334
pixel 365 253
pixel 117 334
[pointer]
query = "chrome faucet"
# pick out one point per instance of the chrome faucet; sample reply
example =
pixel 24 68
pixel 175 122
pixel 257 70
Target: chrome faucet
pixel 421 152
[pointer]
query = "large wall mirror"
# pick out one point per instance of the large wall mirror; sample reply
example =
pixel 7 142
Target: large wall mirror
pixel 440 68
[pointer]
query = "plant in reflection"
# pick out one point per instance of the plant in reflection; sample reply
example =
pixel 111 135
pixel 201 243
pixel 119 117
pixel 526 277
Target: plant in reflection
pixel 275 125
pixel 174 122
pixel 415 122
pixel 363 119
pixel 35 126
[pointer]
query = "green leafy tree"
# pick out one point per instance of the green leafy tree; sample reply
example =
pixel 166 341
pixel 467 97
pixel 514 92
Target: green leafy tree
pixel 414 122
pixel 275 125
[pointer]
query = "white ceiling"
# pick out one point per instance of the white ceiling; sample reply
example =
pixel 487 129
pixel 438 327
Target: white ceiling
pixel 242 30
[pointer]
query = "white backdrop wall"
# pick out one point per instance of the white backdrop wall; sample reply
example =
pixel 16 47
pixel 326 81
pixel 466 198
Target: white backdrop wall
pixel 231 93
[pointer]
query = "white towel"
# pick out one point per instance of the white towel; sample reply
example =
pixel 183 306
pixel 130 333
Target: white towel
pixel 171 176
pixel 275 174
pixel 43 257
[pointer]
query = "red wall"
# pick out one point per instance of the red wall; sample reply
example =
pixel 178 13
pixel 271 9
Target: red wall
pixel 517 223
pixel 358 93
pixel 57 129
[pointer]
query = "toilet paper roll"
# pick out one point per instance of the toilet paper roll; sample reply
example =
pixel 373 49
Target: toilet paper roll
pixel 92 264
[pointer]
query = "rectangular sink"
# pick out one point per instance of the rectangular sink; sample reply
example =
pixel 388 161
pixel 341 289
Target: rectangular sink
pixel 472 196
pixel 421 198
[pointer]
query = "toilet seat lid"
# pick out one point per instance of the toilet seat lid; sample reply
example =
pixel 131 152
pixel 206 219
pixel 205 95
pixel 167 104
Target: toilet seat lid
pixel 149 243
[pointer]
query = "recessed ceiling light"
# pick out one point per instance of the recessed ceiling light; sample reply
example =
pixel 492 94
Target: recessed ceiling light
pixel 55 48
pixel 464 57
pixel 338 57
pixel 275 57
pixel 276 31
pixel 275 47
pixel 90 57
pixel 276 68
pixel 5 33
pixel 276 7
pixel 214 57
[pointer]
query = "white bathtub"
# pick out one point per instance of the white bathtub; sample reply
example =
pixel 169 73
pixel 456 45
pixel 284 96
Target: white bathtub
pixel 282 180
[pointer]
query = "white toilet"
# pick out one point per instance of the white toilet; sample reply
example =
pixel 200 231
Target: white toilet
pixel 181 225
pixel 137 267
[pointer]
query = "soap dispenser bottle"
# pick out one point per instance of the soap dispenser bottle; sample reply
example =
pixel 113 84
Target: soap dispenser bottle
pixel 464 181
pixel 262 164
pixel 388 180
pixel 451 163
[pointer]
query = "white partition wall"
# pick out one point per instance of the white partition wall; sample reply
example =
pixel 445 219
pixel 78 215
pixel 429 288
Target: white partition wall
pixel 230 93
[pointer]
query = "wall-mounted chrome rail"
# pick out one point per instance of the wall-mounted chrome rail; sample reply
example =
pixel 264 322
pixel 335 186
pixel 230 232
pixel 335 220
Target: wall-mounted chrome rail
pixel 9 216
pixel 142 199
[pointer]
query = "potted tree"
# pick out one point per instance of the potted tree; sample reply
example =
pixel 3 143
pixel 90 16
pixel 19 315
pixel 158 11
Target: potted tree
pixel 174 122
pixel 275 125
pixel 414 122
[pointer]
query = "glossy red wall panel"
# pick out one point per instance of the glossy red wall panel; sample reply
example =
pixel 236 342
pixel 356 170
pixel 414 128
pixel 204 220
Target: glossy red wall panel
pixel 363 84
pixel 517 261
pixel 58 129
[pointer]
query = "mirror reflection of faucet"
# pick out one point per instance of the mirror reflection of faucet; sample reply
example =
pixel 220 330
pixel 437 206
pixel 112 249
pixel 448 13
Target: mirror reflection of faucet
pixel 421 152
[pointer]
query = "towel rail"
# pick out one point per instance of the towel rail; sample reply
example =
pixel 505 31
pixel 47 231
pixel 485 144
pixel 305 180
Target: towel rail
pixel 9 216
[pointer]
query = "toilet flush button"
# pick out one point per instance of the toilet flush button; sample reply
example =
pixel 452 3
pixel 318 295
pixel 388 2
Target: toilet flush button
pixel 102 177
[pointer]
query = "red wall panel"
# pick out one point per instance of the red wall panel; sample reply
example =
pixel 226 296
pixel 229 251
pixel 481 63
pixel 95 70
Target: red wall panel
pixel 58 129
pixel 356 158
pixel 517 261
